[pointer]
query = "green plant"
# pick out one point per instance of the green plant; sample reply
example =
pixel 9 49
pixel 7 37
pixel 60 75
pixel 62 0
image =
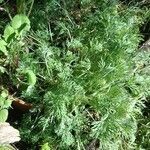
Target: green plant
pixel 77 67
pixel 142 75
pixel 5 103
pixel 10 44
pixel 85 89
pixel 12 37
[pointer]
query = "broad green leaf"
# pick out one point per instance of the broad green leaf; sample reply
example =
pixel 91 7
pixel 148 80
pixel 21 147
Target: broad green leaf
pixel 4 50
pixel 22 27
pixel 45 147
pixel 31 77
pixel 4 93
pixel 8 32
pixel 7 103
pixel 29 90
pixel 3 115
pixel 2 100
pixel 3 47
pixel 21 22
pixel 11 37
pixel 2 42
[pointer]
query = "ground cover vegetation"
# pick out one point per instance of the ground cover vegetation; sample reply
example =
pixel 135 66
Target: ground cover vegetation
pixel 81 67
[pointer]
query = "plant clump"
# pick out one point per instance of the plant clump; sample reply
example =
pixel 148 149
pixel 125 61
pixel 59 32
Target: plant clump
pixel 77 63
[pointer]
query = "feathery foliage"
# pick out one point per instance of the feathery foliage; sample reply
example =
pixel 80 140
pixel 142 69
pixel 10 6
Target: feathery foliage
pixel 77 66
